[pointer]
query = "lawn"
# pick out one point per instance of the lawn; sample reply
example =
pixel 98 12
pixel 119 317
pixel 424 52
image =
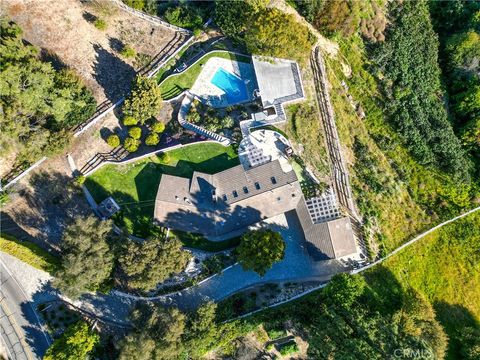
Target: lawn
pixel 134 186
pixel 29 253
pixel 175 84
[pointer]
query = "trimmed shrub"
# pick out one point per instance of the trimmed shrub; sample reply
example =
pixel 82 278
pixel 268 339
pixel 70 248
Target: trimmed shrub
pixel 129 121
pixel 131 145
pixel 113 140
pixel 158 127
pixel 100 24
pixel 135 132
pixel 164 158
pixel 128 52
pixel 152 139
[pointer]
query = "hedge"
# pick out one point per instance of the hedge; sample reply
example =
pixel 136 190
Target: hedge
pixel 29 253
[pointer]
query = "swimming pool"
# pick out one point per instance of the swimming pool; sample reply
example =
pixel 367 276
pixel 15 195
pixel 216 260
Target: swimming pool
pixel 234 88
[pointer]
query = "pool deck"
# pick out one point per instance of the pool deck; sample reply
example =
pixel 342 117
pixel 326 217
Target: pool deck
pixel 213 96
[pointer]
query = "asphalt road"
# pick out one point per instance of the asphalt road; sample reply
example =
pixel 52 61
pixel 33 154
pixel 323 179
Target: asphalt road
pixel 21 331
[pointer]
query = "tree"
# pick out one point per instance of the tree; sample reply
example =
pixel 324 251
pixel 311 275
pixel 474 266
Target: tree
pixel 100 24
pixel 260 249
pixel 150 262
pixel 185 16
pixel 234 17
pixel 343 289
pixel 77 342
pixel 128 52
pixel 87 261
pixel 113 140
pixel 131 145
pixel 202 332
pixel 36 101
pixel 338 16
pixel 144 101
pixel 152 139
pixel 274 33
pixel 227 122
pixel 157 334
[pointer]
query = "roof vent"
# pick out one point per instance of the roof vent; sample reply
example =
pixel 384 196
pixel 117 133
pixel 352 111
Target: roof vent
pixel 187 200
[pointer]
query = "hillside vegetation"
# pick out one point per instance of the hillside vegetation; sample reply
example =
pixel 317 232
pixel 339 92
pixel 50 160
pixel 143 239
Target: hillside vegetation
pixel 444 267
pixel 39 104
pixel 396 193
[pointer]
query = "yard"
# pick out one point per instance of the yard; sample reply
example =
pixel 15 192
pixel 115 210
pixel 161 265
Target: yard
pixel 134 186
pixel 175 84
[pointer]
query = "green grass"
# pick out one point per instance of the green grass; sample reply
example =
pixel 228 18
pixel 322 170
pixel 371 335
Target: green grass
pixel 134 186
pixel 197 241
pixel 444 266
pixel 175 84
pixel 29 253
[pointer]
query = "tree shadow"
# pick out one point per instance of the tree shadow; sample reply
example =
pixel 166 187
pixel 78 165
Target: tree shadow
pixel 112 74
pixel 210 219
pixel 36 337
pixel 52 58
pixel 461 326
pixel 89 17
pixel 384 293
pixel 44 209
pixel 116 44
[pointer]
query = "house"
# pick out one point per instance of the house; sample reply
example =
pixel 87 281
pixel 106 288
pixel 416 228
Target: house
pixel 225 204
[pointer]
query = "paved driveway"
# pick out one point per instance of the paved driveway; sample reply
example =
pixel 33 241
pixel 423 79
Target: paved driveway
pixel 297 265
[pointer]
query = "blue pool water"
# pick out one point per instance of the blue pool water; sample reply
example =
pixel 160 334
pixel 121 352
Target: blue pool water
pixel 233 87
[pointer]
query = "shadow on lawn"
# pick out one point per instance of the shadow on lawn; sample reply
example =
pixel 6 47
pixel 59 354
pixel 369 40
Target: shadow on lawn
pixel 137 213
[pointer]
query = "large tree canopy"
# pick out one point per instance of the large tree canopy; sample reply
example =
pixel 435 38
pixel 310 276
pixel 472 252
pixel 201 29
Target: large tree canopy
pixel 260 249
pixel 157 334
pixel 87 260
pixel 145 100
pixel 37 102
pixel 152 261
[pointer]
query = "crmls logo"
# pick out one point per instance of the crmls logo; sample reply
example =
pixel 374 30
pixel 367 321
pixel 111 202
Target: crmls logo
pixel 413 353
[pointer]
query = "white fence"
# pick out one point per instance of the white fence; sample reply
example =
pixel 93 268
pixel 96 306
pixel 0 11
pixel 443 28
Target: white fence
pixel 23 174
pixel 140 157
pixel 150 74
